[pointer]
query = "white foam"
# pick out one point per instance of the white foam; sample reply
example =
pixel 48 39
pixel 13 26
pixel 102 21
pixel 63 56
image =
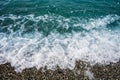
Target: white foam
pixel 96 46
pixel 89 74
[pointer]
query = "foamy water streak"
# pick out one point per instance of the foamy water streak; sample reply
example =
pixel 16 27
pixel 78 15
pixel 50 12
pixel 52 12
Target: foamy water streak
pixel 96 45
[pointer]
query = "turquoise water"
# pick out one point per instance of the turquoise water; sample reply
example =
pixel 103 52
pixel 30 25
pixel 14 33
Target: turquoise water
pixel 66 8
pixel 80 9
pixel 59 32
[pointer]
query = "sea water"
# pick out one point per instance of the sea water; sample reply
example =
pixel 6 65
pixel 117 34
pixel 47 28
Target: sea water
pixel 39 33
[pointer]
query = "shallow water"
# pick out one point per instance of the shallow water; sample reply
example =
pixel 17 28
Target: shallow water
pixel 59 32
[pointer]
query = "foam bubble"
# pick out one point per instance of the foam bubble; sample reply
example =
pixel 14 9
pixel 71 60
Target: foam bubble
pixel 35 49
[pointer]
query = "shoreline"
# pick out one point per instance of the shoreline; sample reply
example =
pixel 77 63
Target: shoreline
pixel 82 71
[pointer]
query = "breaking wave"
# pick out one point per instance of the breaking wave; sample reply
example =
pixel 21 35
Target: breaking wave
pixel 51 40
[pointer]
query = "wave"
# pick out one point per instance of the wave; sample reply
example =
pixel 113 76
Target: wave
pixel 24 44
pixel 50 23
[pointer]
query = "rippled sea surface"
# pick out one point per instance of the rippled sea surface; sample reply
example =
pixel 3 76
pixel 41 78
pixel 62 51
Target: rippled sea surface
pixel 58 32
